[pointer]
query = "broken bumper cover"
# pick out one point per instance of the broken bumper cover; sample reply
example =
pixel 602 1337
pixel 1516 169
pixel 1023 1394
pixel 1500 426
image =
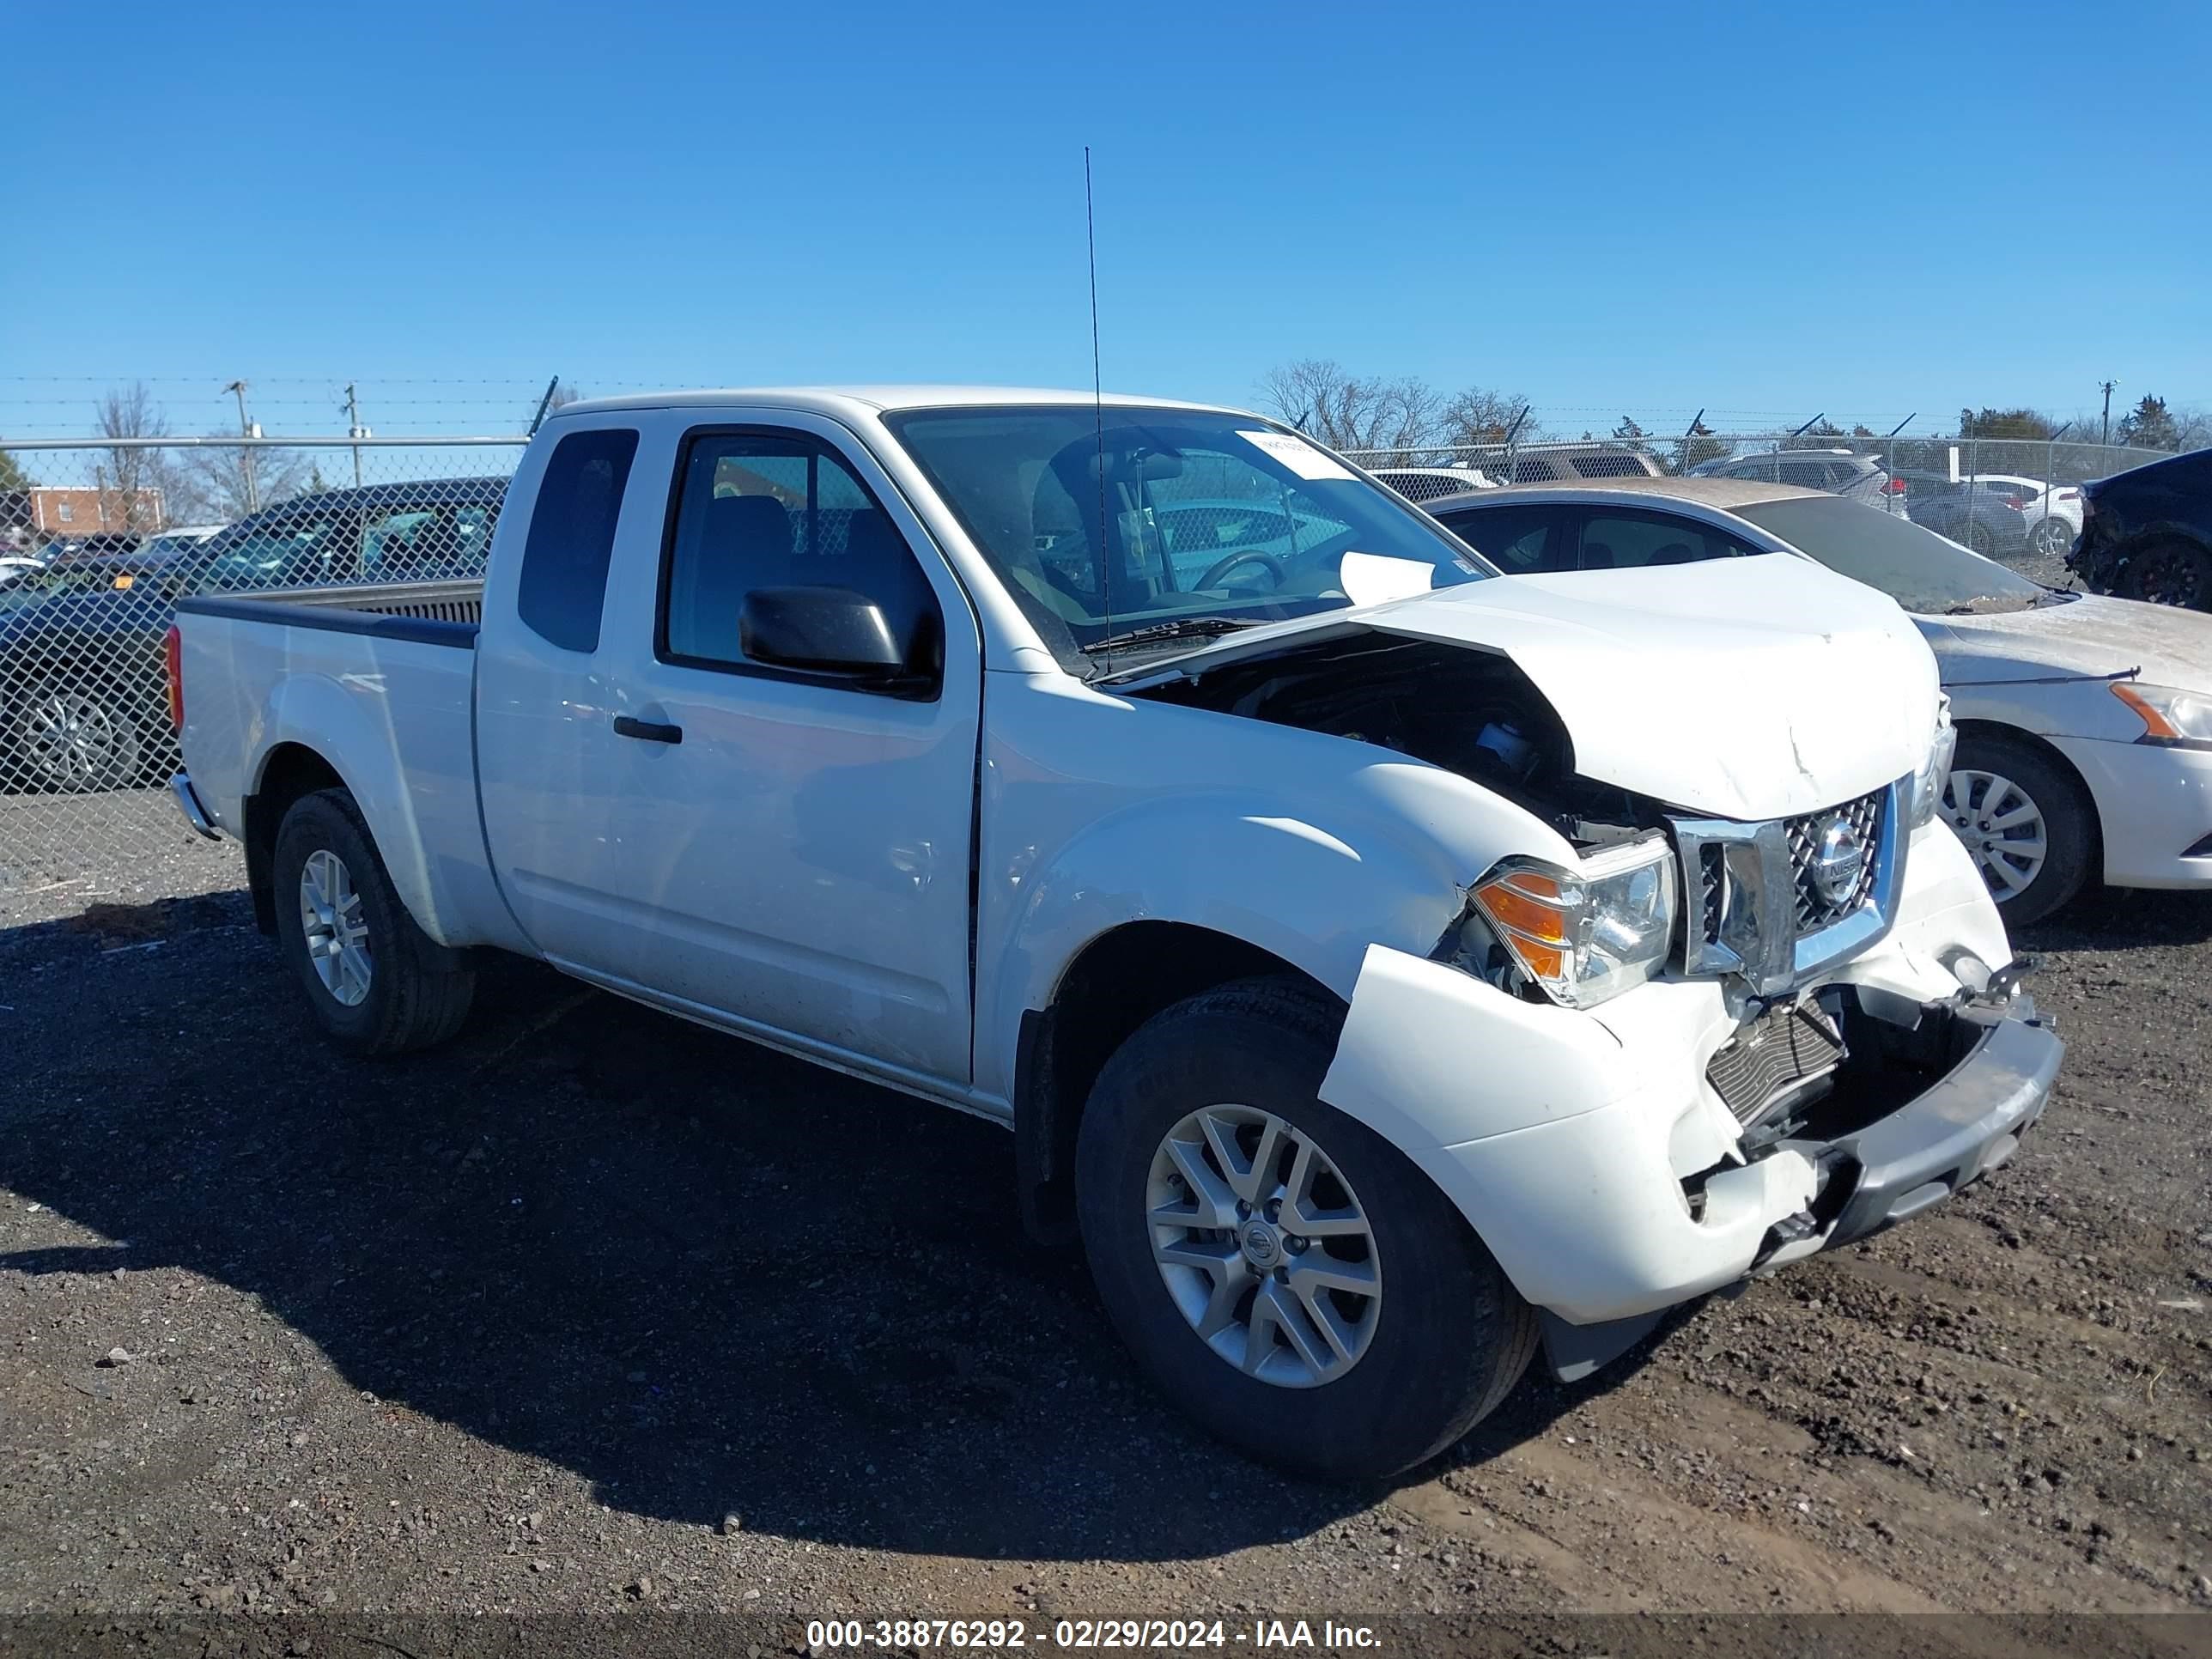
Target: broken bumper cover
pixel 1965 1125
pixel 1962 1128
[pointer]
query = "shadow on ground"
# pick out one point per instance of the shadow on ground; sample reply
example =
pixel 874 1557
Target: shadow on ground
pixel 701 1276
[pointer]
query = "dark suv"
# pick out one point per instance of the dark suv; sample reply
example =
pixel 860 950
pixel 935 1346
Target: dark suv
pixel 83 688
pixel 2146 532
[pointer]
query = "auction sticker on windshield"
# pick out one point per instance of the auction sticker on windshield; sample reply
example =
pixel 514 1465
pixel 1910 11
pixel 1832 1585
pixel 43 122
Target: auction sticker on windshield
pixel 1301 457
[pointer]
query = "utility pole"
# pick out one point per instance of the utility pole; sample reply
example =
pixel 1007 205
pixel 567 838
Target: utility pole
pixel 245 452
pixel 2108 385
pixel 354 429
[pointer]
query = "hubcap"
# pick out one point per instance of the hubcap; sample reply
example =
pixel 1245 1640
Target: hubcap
pixel 71 739
pixel 1263 1245
pixel 2001 826
pixel 336 931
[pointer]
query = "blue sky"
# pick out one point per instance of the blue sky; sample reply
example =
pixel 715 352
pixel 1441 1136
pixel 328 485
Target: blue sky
pixel 1761 209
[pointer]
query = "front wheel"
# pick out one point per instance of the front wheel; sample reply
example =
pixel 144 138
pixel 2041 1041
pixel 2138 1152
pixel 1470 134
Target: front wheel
pixel 375 982
pixel 1978 538
pixel 2169 573
pixel 1285 1275
pixel 2028 822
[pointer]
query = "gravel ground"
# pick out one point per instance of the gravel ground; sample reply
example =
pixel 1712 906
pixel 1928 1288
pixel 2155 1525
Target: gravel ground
pixel 596 1311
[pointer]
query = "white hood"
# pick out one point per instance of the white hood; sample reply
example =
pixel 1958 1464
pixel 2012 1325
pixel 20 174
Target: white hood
pixel 1754 688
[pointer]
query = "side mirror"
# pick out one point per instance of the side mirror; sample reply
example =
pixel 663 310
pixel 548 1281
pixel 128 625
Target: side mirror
pixel 825 630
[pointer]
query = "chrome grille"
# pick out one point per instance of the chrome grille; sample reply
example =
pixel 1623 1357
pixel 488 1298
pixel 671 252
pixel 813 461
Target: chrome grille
pixel 1752 907
pixel 1816 910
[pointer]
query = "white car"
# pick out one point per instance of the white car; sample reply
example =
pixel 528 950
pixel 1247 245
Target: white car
pixel 2085 723
pixel 1382 987
pixel 2051 512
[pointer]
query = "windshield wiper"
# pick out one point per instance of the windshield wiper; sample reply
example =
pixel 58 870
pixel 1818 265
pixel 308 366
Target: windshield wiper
pixel 1186 627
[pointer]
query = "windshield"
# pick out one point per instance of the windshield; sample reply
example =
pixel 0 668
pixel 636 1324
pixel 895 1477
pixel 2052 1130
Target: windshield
pixel 1923 572
pixel 1168 519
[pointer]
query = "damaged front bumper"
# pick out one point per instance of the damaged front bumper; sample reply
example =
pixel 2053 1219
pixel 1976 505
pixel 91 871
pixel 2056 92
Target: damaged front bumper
pixel 2002 1065
pixel 1609 1179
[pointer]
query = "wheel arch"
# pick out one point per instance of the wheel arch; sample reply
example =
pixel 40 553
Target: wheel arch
pixel 2020 737
pixel 1117 981
pixel 289 771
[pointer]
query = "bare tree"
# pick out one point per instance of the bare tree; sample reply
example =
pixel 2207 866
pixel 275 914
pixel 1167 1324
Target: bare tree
pixel 226 481
pixel 1480 415
pixel 1349 411
pixel 136 490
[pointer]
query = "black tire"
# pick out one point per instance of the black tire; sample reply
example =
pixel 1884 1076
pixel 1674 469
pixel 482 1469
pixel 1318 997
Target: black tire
pixel 1979 539
pixel 1451 1336
pixel 417 995
pixel 2172 571
pixel 103 748
pixel 2069 821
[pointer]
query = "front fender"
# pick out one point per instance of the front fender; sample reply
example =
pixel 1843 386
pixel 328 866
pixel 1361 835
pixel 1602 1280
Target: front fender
pixel 1313 893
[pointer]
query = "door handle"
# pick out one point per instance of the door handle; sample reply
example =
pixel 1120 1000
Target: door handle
pixel 627 726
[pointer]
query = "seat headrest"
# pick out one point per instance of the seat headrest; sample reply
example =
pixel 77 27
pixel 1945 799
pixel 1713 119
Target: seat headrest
pixel 1597 556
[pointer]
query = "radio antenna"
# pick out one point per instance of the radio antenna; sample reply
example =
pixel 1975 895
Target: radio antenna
pixel 1098 409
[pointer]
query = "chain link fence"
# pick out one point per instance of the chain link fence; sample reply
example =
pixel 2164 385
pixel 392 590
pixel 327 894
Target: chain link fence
pixel 1779 457
pixel 98 541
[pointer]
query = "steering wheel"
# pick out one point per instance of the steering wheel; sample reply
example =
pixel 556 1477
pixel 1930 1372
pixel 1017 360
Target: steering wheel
pixel 1218 572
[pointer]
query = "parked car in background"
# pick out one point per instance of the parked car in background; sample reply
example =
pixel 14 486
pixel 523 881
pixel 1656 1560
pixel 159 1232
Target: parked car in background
pixel 167 544
pixel 2146 532
pixel 1547 463
pixel 1426 483
pixel 2051 514
pixel 2085 723
pixel 1982 518
pixel 18 568
pixel 83 703
pixel 1838 472
pixel 1382 987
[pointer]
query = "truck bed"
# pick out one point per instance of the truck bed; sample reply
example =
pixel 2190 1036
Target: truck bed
pixel 426 613
pixel 381 681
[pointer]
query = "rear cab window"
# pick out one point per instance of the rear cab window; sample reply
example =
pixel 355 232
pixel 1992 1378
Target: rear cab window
pixel 563 585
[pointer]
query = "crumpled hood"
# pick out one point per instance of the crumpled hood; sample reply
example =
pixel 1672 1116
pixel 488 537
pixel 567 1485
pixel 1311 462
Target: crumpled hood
pixel 1747 688
pixel 2091 635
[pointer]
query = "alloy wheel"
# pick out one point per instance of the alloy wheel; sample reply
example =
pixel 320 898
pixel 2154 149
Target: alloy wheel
pixel 336 931
pixel 2052 537
pixel 71 741
pixel 2001 826
pixel 2169 574
pixel 1263 1246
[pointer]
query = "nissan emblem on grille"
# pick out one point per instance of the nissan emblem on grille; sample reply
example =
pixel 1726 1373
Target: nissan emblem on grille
pixel 1837 858
pixel 1831 855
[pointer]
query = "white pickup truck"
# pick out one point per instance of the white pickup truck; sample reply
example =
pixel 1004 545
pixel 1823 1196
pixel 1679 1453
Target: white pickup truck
pixel 1387 967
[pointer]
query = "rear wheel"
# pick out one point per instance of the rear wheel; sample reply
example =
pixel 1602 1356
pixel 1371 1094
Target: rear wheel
pixel 2169 573
pixel 375 982
pixel 2051 538
pixel 1978 538
pixel 2028 822
pixel 1287 1276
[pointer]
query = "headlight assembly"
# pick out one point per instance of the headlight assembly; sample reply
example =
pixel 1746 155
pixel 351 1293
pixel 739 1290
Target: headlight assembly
pixel 1587 933
pixel 2170 717
pixel 1936 771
